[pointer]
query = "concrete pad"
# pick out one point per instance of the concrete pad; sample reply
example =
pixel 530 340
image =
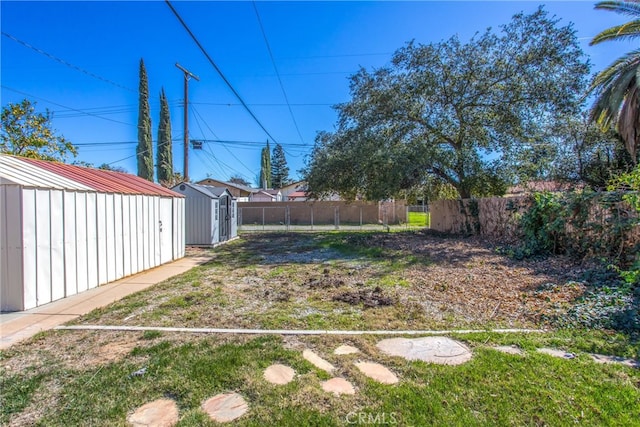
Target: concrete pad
pixel 377 372
pixel 318 361
pixel 224 408
pixel 345 349
pixel 441 350
pixel 509 349
pixel 279 374
pixel 17 326
pixel 601 358
pixel 338 386
pixel 556 353
pixel 159 413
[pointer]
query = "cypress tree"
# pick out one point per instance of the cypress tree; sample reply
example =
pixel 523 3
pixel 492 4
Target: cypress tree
pixel 164 160
pixel 279 168
pixel 265 167
pixel 144 150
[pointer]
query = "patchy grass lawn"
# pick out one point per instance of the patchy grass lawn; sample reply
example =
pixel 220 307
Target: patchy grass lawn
pixel 333 281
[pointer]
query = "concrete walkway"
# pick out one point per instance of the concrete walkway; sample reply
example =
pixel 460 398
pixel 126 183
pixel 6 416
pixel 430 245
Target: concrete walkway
pixel 17 326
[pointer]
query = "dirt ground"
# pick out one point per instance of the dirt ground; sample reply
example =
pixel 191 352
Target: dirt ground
pixel 360 281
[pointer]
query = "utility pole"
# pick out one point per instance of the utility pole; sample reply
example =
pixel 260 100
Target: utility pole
pixel 187 75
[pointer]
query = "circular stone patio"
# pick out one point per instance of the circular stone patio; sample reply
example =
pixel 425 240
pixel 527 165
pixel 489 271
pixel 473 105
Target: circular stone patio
pixel 441 350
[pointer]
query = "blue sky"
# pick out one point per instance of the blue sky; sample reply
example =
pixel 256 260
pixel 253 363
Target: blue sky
pixel 316 46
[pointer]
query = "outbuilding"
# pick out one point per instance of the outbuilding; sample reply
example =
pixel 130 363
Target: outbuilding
pixel 211 214
pixel 66 229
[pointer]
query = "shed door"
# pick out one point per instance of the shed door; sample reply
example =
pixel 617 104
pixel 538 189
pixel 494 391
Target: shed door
pixel 166 230
pixel 225 218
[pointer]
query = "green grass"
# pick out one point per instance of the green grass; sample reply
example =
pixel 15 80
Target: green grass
pixel 49 381
pixel 492 389
pixel 419 219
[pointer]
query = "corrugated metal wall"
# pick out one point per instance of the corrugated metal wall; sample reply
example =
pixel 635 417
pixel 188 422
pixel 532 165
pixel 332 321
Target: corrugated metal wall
pixel 56 243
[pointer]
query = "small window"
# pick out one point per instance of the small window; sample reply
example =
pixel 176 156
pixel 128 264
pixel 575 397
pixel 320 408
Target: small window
pixel 215 208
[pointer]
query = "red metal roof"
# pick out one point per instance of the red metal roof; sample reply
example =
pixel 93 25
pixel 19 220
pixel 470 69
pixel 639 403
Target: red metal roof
pixel 104 181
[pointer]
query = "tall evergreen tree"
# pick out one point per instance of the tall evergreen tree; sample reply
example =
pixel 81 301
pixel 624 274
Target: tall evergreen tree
pixel 279 168
pixel 265 167
pixel 164 161
pixel 144 150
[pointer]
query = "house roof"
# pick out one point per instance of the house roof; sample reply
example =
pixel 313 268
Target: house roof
pixel 298 194
pixel 41 173
pixel 230 184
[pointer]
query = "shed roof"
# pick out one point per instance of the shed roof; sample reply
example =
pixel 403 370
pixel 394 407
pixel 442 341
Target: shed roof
pixel 41 173
pixel 207 190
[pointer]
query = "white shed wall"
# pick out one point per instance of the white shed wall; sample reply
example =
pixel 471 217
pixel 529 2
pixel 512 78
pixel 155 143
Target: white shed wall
pixel 56 243
pixel 10 246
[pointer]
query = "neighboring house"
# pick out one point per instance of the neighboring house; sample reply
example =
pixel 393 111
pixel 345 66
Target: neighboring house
pixel 241 192
pixel 297 196
pixel 292 188
pixel 266 196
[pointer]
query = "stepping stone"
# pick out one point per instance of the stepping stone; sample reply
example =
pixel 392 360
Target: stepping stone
pixel 279 374
pixel 338 386
pixel 601 358
pixel 377 372
pixel 318 361
pixel 225 407
pixel 159 413
pixel 441 350
pixel 509 349
pixel 556 353
pixel 345 349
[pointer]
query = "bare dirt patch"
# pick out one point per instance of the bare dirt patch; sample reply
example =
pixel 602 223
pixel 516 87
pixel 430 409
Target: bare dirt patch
pixel 358 281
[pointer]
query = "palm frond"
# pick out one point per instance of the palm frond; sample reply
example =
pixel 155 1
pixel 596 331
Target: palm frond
pixel 628 123
pixel 630 30
pixel 621 66
pixel 612 87
pixel 631 8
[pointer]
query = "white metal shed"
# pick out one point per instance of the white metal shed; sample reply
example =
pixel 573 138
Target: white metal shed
pixel 211 214
pixel 65 229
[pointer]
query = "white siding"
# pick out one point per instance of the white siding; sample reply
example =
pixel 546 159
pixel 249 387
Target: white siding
pixel 101 237
pixel 155 226
pixel 56 217
pixel 11 271
pixel 56 243
pixel 30 250
pixel 119 241
pixel 43 246
pixel 93 244
pixel 70 241
pixel 126 234
pixel 82 265
pixel 139 254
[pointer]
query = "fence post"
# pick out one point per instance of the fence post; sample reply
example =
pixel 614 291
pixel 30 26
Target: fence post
pixel 263 219
pixel 336 217
pixel 311 207
pixel 287 216
pixel 360 216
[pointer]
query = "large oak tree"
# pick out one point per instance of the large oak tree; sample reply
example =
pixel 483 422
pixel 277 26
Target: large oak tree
pixel 461 113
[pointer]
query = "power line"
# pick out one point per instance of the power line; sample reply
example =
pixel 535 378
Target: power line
pixel 63 62
pixel 64 106
pixel 202 49
pixel 231 104
pixel 275 67
pixel 216 136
